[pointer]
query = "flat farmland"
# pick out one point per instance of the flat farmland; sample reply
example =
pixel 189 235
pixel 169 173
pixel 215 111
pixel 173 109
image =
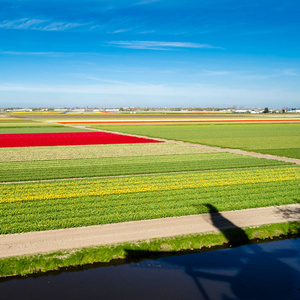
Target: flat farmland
pixel 66 186
pixel 275 139
pixel 138 161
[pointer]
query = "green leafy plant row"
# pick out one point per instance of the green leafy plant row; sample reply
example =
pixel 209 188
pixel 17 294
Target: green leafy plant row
pixel 110 166
pixel 34 215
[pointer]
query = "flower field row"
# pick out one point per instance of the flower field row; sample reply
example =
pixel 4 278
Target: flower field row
pixel 96 151
pixel 26 216
pixel 112 166
pixel 127 185
pixel 72 138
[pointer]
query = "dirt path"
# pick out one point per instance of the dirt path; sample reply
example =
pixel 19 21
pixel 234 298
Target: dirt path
pixel 53 240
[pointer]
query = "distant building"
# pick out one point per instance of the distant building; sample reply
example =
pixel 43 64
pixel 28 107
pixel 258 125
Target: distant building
pixel 241 111
pixel 294 110
pixel 112 109
pixel 18 109
pixel 77 110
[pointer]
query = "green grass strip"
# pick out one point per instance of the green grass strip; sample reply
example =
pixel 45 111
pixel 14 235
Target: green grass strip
pixel 58 169
pixel 40 263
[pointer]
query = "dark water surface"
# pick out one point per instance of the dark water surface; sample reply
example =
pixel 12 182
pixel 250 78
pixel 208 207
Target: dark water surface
pixel 257 271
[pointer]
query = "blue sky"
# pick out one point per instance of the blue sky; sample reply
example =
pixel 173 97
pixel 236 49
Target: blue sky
pixel 150 53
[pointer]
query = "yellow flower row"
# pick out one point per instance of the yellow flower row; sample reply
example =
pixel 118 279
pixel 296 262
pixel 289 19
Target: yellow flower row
pixel 136 184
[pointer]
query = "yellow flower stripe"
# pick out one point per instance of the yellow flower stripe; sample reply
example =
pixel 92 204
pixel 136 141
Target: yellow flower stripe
pixel 136 184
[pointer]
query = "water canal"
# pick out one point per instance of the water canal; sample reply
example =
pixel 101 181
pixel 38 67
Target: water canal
pixel 256 271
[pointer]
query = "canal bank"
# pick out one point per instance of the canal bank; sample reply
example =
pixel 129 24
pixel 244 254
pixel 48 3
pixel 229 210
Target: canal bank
pixel 256 271
pixel 126 252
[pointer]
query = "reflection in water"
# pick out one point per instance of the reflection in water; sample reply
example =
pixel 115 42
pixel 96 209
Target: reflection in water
pixel 256 271
pixel 248 272
pixel 263 271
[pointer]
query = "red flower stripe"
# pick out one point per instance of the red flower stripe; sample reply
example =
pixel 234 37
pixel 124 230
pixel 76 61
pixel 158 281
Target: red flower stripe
pixel 70 138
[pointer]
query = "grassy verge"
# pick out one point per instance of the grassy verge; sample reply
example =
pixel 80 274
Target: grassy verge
pixel 39 263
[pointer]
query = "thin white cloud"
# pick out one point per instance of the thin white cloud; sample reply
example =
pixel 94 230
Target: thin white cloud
pixel 290 72
pixel 143 2
pixel 60 26
pixel 23 53
pixel 146 32
pixel 41 25
pixel 92 77
pixel 218 73
pixel 157 45
pixel 276 73
pixel 121 30
pixel 48 54
pixel 23 23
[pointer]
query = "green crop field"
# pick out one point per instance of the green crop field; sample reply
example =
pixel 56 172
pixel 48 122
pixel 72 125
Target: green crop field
pixel 40 130
pixel 276 139
pixel 24 123
pixel 37 170
pixel 53 205
pixel 28 126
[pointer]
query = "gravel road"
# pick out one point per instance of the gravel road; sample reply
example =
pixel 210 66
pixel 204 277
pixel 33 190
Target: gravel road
pixel 52 240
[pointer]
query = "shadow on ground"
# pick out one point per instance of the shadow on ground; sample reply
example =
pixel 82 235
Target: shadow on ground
pixel 247 272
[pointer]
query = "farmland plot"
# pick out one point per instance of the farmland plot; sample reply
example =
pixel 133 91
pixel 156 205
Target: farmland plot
pixel 96 151
pixel 70 138
pixel 111 166
pixel 52 205
pixel 275 139
pixel 28 126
